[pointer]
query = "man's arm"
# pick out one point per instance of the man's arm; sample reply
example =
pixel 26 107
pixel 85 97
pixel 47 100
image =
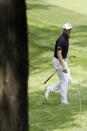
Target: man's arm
pixel 61 60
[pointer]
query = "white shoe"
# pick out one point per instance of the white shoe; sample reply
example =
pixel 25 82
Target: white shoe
pixel 65 103
pixel 46 94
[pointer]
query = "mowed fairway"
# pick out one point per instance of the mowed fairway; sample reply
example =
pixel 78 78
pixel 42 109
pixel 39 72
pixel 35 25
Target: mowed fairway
pixel 45 19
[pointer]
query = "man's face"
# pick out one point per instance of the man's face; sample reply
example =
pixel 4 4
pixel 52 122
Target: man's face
pixel 68 31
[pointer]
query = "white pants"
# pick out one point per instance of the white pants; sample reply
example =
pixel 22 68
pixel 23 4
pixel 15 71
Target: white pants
pixel 65 79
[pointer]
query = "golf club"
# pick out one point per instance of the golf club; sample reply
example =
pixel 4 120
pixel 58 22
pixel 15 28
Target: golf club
pixel 49 77
pixel 72 56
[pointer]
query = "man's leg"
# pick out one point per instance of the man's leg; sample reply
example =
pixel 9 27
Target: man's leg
pixel 55 87
pixel 51 89
pixel 63 85
pixel 65 80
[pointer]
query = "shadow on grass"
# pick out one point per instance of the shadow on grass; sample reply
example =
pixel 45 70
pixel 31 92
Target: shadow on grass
pixel 80 34
pixel 47 117
pixel 42 41
pixel 50 116
pixel 40 6
pixel 41 47
pixel 37 6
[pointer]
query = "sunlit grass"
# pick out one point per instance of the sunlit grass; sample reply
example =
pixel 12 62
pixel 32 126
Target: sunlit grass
pixel 45 19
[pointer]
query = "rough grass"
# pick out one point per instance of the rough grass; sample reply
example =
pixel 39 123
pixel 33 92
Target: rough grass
pixel 45 19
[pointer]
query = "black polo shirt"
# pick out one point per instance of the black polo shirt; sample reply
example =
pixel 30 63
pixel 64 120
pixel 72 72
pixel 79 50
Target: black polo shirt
pixel 62 44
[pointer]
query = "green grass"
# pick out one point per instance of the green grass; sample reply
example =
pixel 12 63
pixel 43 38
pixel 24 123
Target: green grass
pixel 45 19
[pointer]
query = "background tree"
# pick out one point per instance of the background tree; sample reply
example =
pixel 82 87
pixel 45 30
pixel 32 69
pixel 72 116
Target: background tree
pixel 13 66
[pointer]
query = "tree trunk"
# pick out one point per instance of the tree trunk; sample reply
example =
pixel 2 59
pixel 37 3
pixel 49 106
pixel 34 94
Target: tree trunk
pixel 13 66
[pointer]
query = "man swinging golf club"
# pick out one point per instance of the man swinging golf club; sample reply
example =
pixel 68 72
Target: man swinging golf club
pixel 60 64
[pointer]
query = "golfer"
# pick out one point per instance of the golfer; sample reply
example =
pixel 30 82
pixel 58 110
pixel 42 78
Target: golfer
pixel 60 64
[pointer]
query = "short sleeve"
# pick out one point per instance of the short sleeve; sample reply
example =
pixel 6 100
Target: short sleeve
pixel 60 46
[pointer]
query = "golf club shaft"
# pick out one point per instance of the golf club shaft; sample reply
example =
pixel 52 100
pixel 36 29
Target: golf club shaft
pixel 54 73
pixel 49 78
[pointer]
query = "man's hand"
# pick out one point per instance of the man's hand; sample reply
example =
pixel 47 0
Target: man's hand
pixel 65 69
pixel 61 61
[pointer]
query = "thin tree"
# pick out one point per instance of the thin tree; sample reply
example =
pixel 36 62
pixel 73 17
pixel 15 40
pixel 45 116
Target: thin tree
pixel 13 66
